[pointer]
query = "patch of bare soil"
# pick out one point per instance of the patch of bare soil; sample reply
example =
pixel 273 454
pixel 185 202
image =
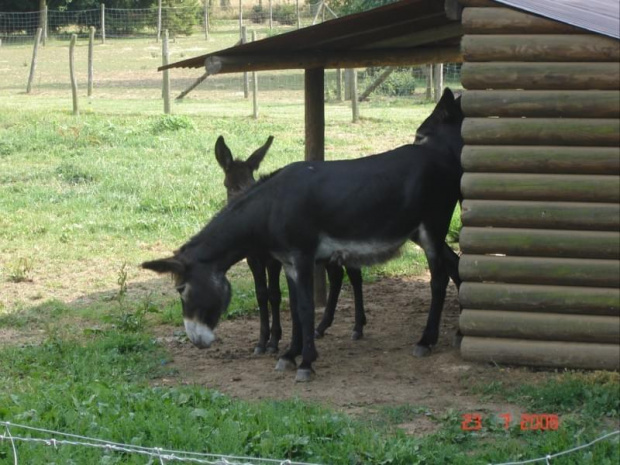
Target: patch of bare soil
pixel 353 375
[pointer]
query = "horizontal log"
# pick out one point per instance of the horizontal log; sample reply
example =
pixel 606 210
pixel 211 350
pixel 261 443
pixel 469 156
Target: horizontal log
pixel 538 103
pixel 580 355
pixel 548 187
pixel 539 298
pixel 541 131
pixel 335 59
pixel 541 215
pixel 479 3
pixel 540 76
pixel 541 326
pixel 540 242
pixel 540 48
pixel 494 20
pixel 540 270
pixel 540 159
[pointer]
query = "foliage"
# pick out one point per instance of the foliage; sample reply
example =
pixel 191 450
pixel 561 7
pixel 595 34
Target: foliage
pixel 285 14
pixel 347 7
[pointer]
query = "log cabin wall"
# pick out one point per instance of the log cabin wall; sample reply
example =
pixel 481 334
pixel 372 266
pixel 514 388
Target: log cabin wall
pixel 541 215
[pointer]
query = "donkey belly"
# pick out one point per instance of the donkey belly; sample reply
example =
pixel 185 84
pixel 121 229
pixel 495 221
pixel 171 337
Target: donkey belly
pixel 356 253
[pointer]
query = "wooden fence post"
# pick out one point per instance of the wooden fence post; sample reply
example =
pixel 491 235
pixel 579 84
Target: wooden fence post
pixel 33 64
pixel 429 82
pixel 298 14
pixel 74 89
pixel 354 99
pixel 44 24
pixel 241 19
pixel 270 16
pixel 339 84
pixel 206 19
pixel 246 79
pixel 158 20
pixel 166 83
pixel 91 41
pixel 438 78
pixel 254 86
pixel 347 84
pixel 103 23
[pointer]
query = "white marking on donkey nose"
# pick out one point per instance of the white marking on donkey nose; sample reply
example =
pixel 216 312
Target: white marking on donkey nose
pixel 200 334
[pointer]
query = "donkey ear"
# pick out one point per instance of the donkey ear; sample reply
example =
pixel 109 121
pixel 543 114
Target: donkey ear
pixel 256 158
pixel 166 265
pixel 223 154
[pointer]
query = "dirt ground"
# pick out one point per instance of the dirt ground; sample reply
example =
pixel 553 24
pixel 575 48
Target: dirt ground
pixel 353 375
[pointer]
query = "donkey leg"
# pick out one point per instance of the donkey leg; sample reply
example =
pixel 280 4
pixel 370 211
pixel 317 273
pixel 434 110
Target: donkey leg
pixel 287 359
pixel 335 274
pixel 275 298
pixel 257 267
pixel 305 313
pixel 452 264
pixel 439 282
pixel 355 276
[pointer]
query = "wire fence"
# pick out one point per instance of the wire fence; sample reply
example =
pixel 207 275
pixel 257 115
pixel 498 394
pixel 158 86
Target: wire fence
pixel 19 27
pixel 163 456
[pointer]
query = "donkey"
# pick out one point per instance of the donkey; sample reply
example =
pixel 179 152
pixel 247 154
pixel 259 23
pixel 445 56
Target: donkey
pixel 355 212
pixel 238 177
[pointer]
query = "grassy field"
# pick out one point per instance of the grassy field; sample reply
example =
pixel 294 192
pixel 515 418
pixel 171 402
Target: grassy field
pixel 83 200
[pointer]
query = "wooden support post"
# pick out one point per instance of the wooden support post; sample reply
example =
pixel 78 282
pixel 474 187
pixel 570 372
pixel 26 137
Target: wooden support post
pixel 438 78
pixel 103 23
pixel 166 83
pixel 91 41
pixel 347 84
pixel 246 80
pixel 354 99
pixel 241 17
pixel 74 89
pixel 270 15
pixel 158 20
pixel 429 82
pixel 339 93
pixel 33 64
pixel 254 86
pixel 314 81
pixel 195 84
pixel 206 19
pixel 44 25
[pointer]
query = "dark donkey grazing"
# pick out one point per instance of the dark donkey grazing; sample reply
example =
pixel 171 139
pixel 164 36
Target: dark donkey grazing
pixel 239 177
pixel 356 212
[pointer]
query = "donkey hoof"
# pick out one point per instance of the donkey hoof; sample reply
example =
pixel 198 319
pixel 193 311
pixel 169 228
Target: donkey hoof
pixel 285 365
pixel 456 340
pixel 357 335
pixel 421 351
pixel 272 350
pixel 318 334
pixel 304 375
pixel 258 350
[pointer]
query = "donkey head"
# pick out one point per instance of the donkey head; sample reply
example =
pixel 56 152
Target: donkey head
pixel 205 294
pixel 239 175
pixel 443 127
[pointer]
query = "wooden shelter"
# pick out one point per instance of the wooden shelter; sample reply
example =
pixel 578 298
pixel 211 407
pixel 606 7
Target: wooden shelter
pixel 541 216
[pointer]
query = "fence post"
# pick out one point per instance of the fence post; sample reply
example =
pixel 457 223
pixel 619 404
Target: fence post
pixel 91 41
pixel 74 89
pixel 246 83
pixel 241 18
pixel 166 84
pixel 158 20
pixel 270 16
pixel 438 77
pixel 254 85
pixel 354 101
pixel 298 17
pixel 339 84
pixel 103 23
pixel 33 64
pixel 429 82
pixel 347 84
pixel 0 42
pixel 44 25
pixel 206 19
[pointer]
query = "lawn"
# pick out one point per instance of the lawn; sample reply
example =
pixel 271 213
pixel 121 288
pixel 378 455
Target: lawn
pixel 84 200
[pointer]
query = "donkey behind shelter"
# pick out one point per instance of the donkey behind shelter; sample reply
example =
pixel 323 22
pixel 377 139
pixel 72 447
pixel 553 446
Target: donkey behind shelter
pixel 356 212
pixel 239 177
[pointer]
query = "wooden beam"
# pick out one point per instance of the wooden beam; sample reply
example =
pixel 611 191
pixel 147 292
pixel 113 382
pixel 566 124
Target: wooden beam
pixel 314 81
pixel 541 215
pixel 508 21
pixel 540 242
pixel 331 60
pixel 541 353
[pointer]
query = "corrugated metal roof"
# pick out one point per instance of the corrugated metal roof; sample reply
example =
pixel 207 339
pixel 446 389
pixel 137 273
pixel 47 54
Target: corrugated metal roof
pixel 397 26
pixel 600 16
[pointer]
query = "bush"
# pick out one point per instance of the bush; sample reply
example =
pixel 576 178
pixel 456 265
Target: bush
pixel 258 15
pixel 285 14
